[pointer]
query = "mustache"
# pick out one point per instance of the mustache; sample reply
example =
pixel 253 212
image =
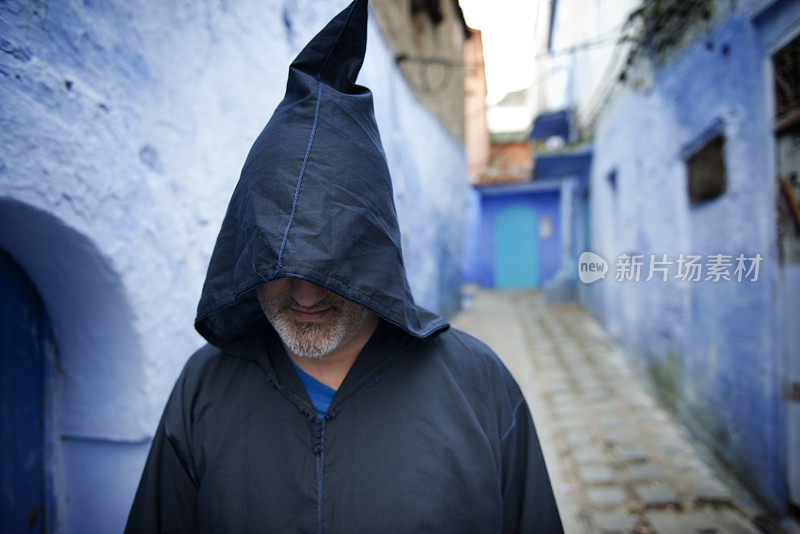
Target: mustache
pixel 328 302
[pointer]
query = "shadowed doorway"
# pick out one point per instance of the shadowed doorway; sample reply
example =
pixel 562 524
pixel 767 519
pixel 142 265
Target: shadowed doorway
pixel 25 333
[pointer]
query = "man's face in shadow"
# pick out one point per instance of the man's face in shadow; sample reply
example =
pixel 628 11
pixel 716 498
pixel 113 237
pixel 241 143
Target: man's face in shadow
pixel 310 320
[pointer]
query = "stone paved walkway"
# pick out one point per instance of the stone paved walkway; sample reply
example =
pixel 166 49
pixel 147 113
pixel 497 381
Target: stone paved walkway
pixel 618 463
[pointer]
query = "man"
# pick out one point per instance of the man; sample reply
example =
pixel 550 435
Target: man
pixel 326 400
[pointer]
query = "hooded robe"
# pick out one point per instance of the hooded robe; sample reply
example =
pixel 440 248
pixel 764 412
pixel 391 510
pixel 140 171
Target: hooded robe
pixel 428 432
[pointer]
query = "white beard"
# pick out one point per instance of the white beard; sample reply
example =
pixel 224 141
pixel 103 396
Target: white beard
pixel 314 340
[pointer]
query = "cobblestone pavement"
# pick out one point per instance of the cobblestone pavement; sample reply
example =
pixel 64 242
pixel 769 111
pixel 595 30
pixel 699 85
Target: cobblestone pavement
pixel 618 463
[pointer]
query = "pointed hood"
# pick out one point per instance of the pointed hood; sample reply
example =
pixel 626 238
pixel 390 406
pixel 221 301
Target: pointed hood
pixel 314 200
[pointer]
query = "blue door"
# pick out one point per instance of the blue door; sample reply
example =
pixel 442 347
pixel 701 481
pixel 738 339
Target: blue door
pixel 23 330
pixel 516 261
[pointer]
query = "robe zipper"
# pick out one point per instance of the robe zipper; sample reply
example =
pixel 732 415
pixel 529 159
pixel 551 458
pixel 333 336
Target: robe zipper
pixel 319 451
pixel 318 433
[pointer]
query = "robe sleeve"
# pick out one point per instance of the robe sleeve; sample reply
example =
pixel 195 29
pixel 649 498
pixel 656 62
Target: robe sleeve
pixel 528 501
pixel 166 500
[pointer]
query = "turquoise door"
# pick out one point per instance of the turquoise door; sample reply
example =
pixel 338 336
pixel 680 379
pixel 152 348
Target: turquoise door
pixel 516 261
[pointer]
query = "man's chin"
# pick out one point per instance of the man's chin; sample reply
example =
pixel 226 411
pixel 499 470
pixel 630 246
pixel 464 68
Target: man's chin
pixel 310 350
pixel 309 339
pixel 318 337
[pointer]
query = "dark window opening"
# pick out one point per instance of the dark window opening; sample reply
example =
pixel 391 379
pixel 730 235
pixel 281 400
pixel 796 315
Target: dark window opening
pixel 429 7
pixel 706 171
pixel 786 68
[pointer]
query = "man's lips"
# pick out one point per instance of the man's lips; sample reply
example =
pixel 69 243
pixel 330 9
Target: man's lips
pixel 310 316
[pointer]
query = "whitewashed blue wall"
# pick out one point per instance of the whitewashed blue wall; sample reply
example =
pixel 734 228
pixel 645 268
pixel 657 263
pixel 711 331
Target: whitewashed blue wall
pixel 712 349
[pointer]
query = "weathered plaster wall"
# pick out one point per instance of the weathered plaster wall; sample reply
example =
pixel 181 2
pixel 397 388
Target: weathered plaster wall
pixel 430 55
pixel 710 348
pixel 123 128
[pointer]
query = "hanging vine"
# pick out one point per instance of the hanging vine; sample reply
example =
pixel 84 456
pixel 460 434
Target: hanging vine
pixel 659 28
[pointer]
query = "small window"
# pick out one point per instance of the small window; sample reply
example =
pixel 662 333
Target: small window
pixel 430 7
pixel 706 171
pixel 786 72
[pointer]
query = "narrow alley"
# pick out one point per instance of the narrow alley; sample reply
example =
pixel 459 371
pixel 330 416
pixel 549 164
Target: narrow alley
pixel 635 161
pixel 618 463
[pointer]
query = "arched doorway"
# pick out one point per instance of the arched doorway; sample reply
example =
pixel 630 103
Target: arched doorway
pixel 97 419
pixel 25 334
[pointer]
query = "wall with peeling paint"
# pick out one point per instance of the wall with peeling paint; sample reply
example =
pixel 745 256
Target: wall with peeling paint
pixel 123 128
pixel 712 350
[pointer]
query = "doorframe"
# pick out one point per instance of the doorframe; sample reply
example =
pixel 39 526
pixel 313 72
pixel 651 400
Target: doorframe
pixel 771 47
pixel 53 458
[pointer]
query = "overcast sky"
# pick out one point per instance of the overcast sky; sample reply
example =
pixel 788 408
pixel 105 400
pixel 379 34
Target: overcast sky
pixel 507 28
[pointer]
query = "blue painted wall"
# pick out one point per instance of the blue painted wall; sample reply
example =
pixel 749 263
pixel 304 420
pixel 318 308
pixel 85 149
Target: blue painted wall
pixel 485 205
pixel 560 193
pixel 711 349
pixel 123 129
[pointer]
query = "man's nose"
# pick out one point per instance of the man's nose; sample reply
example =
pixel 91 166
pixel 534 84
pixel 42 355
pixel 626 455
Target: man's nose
pixel 305 293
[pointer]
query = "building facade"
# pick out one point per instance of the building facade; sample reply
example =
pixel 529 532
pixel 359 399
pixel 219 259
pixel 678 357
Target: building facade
pixel 694 156
pixel 476 129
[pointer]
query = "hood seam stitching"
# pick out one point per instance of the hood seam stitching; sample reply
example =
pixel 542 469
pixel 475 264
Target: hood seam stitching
pixel 310 140
pixel 299 180
pixel 513 420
